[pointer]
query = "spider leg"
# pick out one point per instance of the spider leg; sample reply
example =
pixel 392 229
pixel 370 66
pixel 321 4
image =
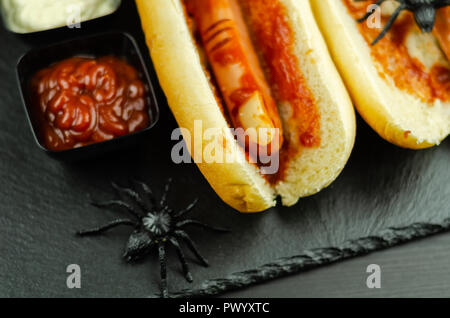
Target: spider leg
pixel 101 229
pixel 131 194
pixel 163 201
pixel 187 273
pixel 202 225
pixel 162 264
pixel 389 23
pixel 147 191
pixel 117 203
pixel 187 209
pixel 368 14
pixel 186 238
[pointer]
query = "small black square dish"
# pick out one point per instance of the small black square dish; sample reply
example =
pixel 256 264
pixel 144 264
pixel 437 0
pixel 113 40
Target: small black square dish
pixel 97 86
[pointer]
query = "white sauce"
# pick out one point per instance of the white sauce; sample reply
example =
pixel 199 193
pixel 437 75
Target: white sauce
pixel 25 16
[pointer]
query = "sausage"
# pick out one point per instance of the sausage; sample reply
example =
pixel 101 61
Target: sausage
pixel 237 71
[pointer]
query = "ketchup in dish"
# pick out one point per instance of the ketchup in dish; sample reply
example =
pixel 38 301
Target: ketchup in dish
pixel 81 101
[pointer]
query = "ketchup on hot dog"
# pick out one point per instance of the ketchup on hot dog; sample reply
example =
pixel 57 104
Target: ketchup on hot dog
pixel 245 41
pixel 237 70
pixel 392 53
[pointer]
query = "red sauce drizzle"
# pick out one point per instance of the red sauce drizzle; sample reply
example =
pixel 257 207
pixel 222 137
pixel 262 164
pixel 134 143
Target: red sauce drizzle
pixel 274 37
pixel 408 73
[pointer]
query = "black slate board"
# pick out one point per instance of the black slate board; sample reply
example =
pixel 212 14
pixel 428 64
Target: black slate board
pixel 44 202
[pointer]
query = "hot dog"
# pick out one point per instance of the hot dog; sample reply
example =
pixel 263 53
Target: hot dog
pixel 401 85
pixel 253 64
pixel 236 67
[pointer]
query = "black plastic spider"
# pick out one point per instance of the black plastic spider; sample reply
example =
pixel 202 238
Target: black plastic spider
pixel 424 13
pixel 155 226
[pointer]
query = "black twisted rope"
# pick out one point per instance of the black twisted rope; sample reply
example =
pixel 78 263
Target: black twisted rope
pixel 314 258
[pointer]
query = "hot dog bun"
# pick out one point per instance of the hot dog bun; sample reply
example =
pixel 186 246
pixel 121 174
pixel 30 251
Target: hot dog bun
pixel 190 96
pixel 398 115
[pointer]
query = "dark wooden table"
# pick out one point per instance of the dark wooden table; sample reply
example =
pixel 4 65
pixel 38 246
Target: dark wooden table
pixel 418 269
